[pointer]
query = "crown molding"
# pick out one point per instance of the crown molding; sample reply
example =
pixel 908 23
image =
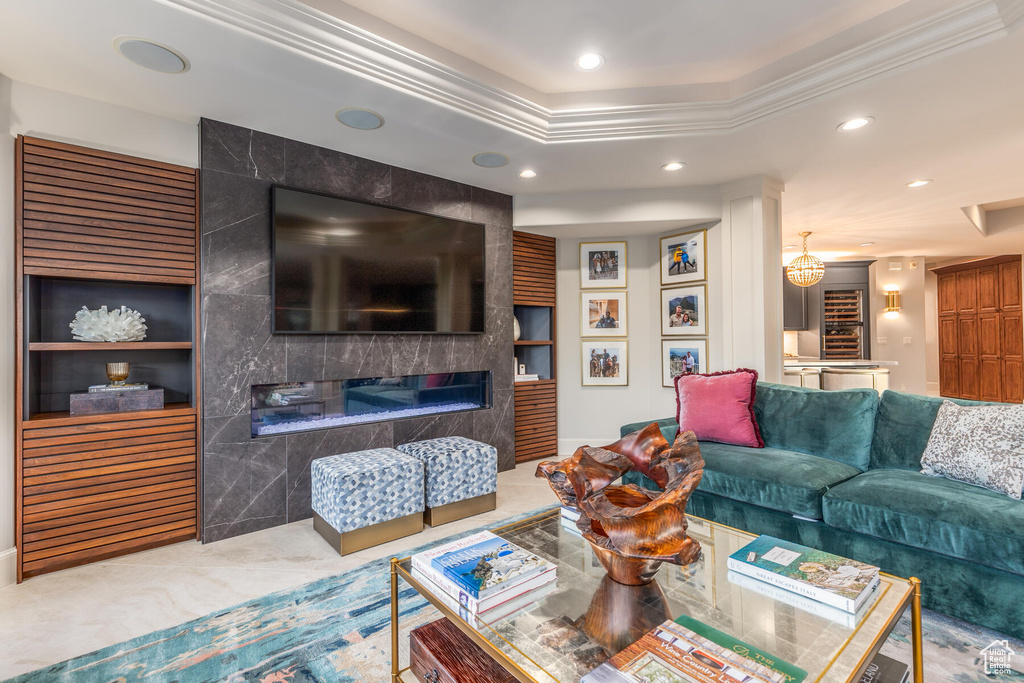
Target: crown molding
pixel 315 34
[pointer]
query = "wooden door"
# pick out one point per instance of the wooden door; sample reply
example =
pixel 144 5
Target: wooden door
pixel 967 345
pixel 981 330
pixel 990 363
pixel 947 294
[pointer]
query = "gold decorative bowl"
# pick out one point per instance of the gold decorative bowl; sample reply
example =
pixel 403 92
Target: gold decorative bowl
pixel 117 373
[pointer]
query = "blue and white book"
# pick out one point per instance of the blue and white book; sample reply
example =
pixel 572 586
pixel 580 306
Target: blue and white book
pixel 484 564
pixel 834 580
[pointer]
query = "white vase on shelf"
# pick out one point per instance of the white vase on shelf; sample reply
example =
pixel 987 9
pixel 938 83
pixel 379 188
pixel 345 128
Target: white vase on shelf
pixel 516 331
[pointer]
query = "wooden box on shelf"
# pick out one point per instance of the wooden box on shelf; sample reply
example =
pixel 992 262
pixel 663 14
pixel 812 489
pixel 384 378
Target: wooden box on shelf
pixel 441 653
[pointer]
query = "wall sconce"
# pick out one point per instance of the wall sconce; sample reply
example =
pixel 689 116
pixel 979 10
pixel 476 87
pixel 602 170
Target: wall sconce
pixel 892 302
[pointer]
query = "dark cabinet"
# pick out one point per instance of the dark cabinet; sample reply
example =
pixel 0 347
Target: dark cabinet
pixel 845 307
pixel 794 305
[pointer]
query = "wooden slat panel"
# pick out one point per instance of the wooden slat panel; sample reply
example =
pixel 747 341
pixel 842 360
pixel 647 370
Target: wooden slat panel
pixel 43 457
pixel 55 168
pixel 99 215
pixel 136 507
pixel 110 429
pixel 154 539
pixel 41 512
pixel 61 540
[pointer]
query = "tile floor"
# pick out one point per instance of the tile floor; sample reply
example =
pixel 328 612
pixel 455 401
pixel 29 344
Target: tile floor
pixel 50 618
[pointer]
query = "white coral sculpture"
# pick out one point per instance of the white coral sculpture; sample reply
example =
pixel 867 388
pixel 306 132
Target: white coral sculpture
pixel 118 325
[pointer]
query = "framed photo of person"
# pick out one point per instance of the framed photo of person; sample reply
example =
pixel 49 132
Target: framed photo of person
pixel 602 314
pixel 684 311
pixel 605 363
pixel 682 357
pixel 602 265
pixel 683 258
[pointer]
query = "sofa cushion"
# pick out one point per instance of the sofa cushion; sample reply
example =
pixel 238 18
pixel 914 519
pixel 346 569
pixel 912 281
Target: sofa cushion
pixel 980 445
pixel 781 480
pixel 931 513
pixel 719 407
pixel 832 424
pixel 902 428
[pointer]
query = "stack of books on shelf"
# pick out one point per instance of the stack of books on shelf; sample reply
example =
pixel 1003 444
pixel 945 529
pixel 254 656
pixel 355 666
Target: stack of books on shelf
pixel 484 577
pixel 529 377
pixel 808 575
pixel 687 650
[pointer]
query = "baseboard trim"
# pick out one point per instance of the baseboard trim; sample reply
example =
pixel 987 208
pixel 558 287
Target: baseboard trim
pixel 8 567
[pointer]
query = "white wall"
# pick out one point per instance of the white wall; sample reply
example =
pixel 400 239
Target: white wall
pixel 592 415
pixel 8 557
pixel 911 374
pixel 30 110
pixel 78 120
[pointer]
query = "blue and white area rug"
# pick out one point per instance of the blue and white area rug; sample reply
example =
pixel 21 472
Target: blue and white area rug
pixel 337 630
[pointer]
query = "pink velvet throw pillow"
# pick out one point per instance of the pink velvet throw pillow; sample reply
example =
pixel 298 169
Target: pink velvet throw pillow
pixel 719 407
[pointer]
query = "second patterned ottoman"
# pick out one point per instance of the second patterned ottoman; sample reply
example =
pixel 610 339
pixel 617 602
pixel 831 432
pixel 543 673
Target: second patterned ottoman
pixel 461 477
pixel 367 498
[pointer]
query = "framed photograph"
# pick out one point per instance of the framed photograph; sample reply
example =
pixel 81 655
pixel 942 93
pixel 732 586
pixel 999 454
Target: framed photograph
pixel 602 314
pixel 684 311
pixel 682 357
pixel 602 265
pixel 605 363
pixel 683 258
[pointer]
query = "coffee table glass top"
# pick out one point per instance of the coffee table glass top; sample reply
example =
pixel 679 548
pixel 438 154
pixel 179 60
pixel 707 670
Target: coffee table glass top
pixel 586 617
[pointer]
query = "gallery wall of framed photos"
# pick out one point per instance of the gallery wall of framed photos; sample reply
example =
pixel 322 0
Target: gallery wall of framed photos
pixel 603 314
pixel 683 311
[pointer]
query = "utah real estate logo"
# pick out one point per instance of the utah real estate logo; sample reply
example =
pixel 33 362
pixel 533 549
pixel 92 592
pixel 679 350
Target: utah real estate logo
pixel 997 657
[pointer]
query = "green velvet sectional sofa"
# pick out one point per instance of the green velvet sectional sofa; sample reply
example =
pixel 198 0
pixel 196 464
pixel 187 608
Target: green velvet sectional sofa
pixel 840 471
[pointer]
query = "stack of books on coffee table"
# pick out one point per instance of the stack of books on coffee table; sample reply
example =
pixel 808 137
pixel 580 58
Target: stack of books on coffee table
pixel 483 576
pixel 814 575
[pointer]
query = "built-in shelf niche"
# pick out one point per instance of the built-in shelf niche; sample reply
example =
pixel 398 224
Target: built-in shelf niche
pixel 535 346
pixel 57 364
pixel 53 302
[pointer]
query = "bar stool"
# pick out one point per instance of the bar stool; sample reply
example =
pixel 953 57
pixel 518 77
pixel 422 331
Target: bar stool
pixel 809 378
pixel 833 379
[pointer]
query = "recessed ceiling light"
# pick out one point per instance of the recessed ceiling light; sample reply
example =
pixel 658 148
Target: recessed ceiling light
pixel 919 183
pixel 673 166
pixel 359 118
pixel 790 246
pixel 151 55
pixel 490 159
pixel 527 173
pixel 855 124
pixel 866 244
pixel 589 61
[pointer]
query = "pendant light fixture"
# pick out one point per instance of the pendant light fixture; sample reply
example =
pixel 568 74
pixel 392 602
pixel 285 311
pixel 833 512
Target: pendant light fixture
pixel 805 270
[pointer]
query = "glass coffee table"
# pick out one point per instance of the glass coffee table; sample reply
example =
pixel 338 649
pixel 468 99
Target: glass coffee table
pixel 571 628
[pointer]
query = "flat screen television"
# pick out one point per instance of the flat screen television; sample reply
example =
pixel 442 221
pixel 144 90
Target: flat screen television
pixel 346 266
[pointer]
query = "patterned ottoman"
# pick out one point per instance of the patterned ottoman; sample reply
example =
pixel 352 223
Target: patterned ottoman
pixel 461 477
pixel 367 498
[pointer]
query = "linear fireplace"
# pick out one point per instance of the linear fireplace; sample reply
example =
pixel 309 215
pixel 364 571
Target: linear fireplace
pixel 305 406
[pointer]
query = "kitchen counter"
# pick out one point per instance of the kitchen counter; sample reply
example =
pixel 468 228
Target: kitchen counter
pixel 817 363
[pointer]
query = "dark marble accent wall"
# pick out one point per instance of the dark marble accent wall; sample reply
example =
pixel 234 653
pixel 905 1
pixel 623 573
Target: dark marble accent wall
pixel 251 484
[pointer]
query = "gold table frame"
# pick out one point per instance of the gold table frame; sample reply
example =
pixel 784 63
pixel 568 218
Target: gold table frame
pixel 912 599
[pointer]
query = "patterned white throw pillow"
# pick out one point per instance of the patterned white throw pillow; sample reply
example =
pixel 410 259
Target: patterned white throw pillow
pixel 980 445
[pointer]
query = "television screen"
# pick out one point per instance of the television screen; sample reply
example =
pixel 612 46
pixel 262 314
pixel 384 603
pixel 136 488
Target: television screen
pixel 344 266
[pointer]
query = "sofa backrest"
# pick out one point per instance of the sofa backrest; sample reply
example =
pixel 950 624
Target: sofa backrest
pixel 832 424
pixel 902 427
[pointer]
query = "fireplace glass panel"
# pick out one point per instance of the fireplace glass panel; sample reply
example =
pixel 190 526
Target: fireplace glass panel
pixel 304 406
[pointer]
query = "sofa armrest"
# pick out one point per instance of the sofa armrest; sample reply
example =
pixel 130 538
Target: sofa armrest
pixel 668 426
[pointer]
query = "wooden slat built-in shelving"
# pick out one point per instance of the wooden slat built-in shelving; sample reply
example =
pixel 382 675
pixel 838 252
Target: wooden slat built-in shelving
pixel 93 491
pixel 536 415
pixel 92 487
pixel 94 214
